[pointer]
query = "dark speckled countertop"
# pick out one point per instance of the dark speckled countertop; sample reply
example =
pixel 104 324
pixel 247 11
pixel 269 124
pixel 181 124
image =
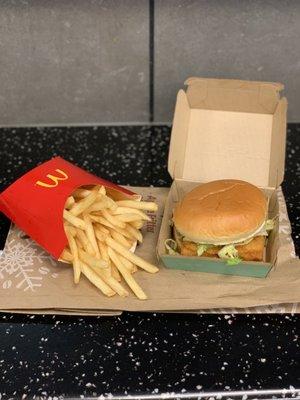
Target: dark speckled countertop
pixel 140 354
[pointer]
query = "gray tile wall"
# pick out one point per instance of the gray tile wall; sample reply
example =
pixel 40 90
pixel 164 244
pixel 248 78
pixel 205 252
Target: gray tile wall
pixel 74 61
pixel 257 39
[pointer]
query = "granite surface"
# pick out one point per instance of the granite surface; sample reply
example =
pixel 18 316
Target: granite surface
pixel 139 353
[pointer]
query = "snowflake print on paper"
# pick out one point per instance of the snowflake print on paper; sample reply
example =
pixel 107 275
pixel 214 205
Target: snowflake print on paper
pixel 23 264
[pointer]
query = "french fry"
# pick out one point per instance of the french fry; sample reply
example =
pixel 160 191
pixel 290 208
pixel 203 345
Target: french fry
pixel 91 260
pixel 111 203
pixel 128 217
pixel 81 236
pixel 112 282
pixel 79 244
pixel 100 235
pixel 70 202
pixel 104 256
pixel 136 224
pixel 102 201
pixel 83 204
pixel 91 235
pixel 81 193
pixel 134 232
pixel 71 229
pixel 128 210
pixel 120 239
pixel 115 272
pixel 96 280
pixel 122 231
pixel 74 251
pixel 128 264
pixel 102 190
pixel 131 282
pixel 66 256
pixel 100 205
pixel 112 219
pixel 75 221
pixel 101 220
pixel 141 205
pixel 130 256
pixel 115 284
pixel 134 269
pixel 102 229
pixel 103 250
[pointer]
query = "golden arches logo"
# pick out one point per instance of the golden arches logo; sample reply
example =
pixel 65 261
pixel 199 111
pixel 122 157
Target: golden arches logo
pixel 55 179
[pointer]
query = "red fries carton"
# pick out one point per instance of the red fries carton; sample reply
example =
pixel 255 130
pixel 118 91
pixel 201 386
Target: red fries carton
pixel 35 202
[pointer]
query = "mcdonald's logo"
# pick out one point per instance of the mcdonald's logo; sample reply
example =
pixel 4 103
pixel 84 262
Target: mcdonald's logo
pixel 54 179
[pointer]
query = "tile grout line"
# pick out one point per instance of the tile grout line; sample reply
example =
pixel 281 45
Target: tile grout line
pixel 151 60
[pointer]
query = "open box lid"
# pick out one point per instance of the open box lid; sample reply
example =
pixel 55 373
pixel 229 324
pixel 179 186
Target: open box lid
pixel 229 129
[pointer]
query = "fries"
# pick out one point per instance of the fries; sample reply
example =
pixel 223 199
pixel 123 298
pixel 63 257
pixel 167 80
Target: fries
pixel 70 202
pixel 120 239
pixel 66 256
pixel 81 193
pixel 115 221
pixel 134 232
pixel 100 233
pixel 128 264
pixel 115 272
pixel 96 280
pixel 112 282
pixel 79 223
pixel 128 217
pixel 74 252
pixel 137 290
pixel 131 257
pixel 141 205
pixel 83 204
pixel 86 244
pixel 90 233
pixel 137 224
pixel 91 261
pixel 101 220
pixel 128 210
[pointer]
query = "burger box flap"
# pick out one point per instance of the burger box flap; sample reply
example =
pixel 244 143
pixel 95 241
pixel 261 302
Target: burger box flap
pixel 229 129
pixel 226 129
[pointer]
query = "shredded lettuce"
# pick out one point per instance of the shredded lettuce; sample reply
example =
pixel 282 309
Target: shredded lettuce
pixel 171 247
pixel 201 248
pixel 228 251
pixel 269 224
pixel 233 261
pixel 230 254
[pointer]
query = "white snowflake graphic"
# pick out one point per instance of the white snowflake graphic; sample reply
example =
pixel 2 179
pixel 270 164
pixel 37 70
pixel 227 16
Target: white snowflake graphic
pixel 23 264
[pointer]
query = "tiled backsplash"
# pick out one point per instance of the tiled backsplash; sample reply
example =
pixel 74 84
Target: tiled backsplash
pixel 256 40
pixel 73 61
pixel 122 61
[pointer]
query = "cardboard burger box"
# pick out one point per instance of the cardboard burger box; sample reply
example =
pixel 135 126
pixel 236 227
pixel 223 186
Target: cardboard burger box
pixel 226 129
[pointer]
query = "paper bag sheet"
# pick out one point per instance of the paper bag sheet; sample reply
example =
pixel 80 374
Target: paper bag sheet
pixel 32 281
